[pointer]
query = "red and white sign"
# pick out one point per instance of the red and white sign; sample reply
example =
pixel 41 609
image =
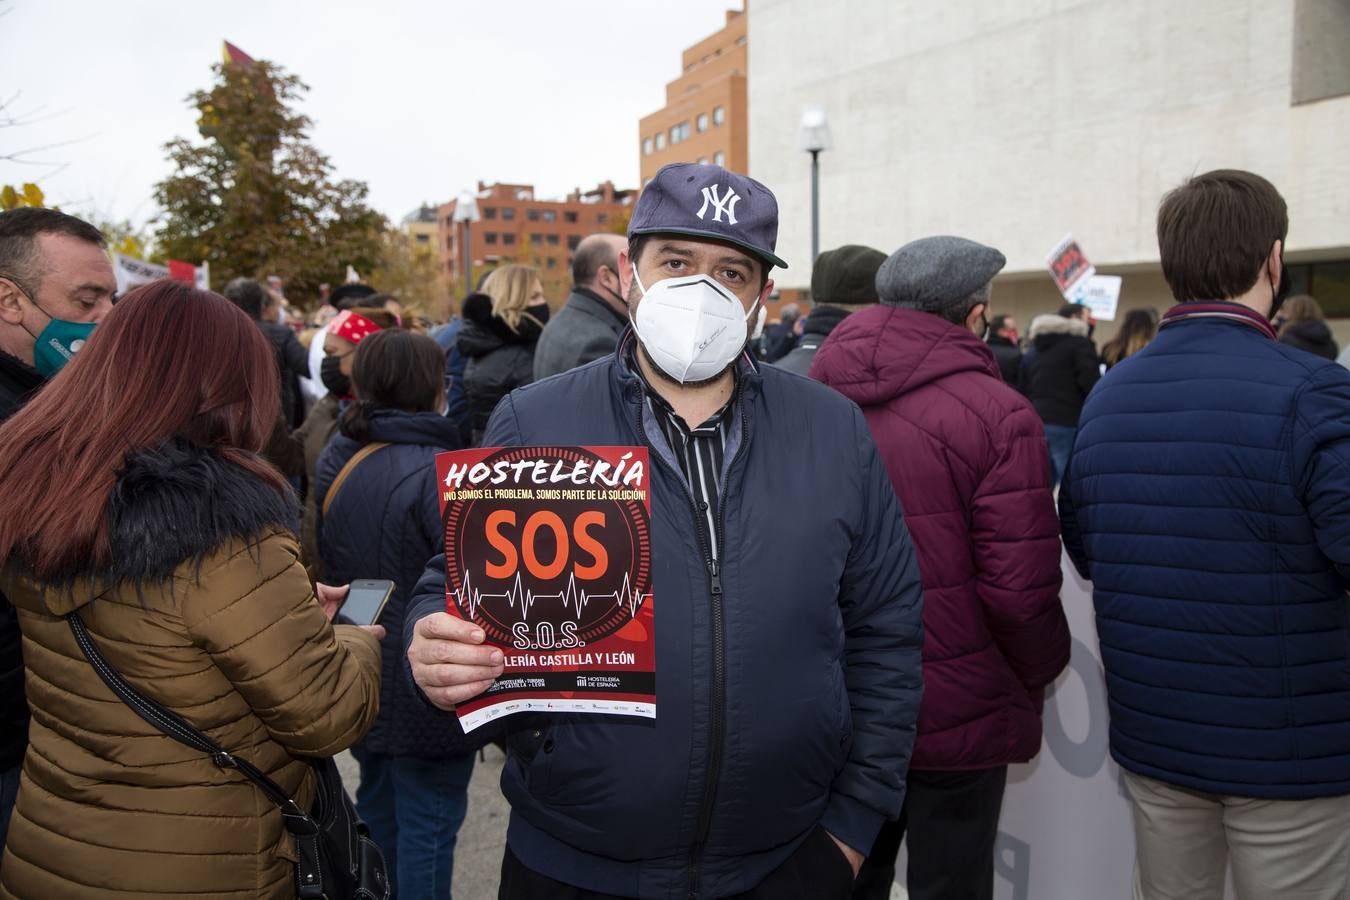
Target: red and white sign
pixel 1068 265
pixel 548 550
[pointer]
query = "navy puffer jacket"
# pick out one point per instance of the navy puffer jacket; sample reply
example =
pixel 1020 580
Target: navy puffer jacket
pixel 821 633
pixel 1208 499
pixel 385 522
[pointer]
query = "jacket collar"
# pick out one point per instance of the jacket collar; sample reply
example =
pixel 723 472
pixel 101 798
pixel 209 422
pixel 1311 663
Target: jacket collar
pixel 633 384
pixel 1217 310
pixel 588 300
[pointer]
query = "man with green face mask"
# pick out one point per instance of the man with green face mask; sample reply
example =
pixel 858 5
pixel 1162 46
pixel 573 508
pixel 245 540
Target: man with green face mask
pixel 56 284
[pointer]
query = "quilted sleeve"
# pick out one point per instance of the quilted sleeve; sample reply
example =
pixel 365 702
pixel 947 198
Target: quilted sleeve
pixel 1015 536
pixel 1320 456
pixel 881 602
pixel 315 687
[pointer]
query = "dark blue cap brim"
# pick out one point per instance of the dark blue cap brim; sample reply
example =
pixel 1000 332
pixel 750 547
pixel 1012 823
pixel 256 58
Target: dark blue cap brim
pixel 719 237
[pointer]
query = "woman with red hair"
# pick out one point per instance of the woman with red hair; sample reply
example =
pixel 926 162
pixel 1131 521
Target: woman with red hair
pixel 133 495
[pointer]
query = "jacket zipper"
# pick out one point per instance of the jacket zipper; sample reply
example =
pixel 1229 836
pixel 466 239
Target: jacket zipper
pixel 714 757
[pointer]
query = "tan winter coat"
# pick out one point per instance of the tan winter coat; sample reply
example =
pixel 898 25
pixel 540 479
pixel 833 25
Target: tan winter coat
pixel 234 641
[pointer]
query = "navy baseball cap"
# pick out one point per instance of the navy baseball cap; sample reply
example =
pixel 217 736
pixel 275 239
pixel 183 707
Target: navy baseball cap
pixel 706 201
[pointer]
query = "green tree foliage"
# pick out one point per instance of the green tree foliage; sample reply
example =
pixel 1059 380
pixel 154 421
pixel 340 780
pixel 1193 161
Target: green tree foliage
pixel 254 197
pixel 413 276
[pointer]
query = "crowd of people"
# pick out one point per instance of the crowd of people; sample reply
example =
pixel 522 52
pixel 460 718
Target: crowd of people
pixel 845 661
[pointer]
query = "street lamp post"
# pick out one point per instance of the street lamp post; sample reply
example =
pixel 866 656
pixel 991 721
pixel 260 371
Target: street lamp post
pixel 813 136
pixel 466 211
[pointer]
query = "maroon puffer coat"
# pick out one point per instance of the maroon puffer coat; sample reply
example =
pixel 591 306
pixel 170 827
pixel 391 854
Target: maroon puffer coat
pixel 967 456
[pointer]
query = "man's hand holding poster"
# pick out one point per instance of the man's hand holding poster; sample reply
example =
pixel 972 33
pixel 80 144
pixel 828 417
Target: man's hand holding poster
pixel 548 550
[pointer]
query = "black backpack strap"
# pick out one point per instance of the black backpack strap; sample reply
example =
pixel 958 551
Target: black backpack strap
pixel 175 726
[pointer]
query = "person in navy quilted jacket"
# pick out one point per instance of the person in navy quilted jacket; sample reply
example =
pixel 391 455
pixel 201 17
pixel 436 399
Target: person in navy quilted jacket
pixel 1208 500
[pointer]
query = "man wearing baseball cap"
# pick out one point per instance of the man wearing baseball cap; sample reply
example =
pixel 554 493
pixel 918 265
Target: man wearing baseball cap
pixel 787 645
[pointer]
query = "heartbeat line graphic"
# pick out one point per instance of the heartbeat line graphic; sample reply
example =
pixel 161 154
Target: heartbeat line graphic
pixel 571 596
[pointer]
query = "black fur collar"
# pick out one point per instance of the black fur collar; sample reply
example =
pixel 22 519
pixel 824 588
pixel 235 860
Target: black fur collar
pixel 180 502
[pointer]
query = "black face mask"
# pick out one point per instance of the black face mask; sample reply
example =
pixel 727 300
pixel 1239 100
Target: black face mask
pixel 330 373
pixel 1280 294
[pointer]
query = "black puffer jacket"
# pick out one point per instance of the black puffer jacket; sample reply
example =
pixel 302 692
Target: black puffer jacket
pixel 1009 358
pixel 1062 371
pixel 293 361
pixel 18 382
pixel 500 359
pixel 1312 336
pixel 385 522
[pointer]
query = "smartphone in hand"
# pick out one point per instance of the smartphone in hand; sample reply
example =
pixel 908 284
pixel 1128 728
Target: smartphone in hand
pixel 366 599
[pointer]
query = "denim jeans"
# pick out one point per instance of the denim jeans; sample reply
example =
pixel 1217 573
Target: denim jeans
pixel 414 808
pixel 1059 439
pixel 9 790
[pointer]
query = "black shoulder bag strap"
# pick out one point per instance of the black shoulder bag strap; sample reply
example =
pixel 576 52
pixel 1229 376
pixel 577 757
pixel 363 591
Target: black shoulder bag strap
pixel 296 820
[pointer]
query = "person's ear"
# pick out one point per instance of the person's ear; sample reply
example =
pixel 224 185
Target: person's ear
pixel 11 310
pixel 625 273
pixel 764 294
pixel 974 317
pixel 1274 265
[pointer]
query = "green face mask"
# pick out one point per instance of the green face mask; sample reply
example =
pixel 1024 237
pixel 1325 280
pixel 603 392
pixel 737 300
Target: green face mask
pixel 58 343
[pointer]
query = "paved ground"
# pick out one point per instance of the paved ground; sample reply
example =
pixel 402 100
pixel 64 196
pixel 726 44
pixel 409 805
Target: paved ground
pixel 478 856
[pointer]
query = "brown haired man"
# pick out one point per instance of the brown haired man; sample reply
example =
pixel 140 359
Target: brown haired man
pixel 56 283
pixel 1208 499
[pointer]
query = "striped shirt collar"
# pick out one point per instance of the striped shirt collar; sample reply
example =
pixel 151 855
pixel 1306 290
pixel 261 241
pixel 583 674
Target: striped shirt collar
pixel 1221 310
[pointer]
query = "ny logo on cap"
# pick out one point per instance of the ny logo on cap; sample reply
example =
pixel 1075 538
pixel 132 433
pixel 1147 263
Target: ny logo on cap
pixel 723 204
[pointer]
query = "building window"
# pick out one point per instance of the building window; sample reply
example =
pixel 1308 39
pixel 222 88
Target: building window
pixel 489 212
pixel 550 263
pixel 1328 281
pixel 536 238
pixel 508 238
pixel 424 239
pixel 679 133
pixel 646 146
pixel 552 239
pixel 532 215
pixel 702 122
pixel 573 241
pixel 509 213
pixel 719 158
pixel 490 237
pixel 550 215
pixel 660 141
pixel 602 218
pixel 570 217
pixel 719 115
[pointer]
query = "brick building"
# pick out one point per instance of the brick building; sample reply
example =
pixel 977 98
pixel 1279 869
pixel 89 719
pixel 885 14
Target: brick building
pixel 704 119
pixel 515 227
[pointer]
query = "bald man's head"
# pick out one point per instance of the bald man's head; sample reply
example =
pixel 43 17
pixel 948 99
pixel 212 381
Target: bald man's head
pixel 594 253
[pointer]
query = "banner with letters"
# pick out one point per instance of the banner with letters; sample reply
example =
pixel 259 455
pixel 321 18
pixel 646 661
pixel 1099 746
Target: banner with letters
pixel 548 550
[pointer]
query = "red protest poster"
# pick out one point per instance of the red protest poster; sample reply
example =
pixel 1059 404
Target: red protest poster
pixel 548 550
pixel 1068 265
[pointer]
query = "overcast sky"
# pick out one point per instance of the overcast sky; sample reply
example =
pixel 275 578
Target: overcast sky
pixel 419 99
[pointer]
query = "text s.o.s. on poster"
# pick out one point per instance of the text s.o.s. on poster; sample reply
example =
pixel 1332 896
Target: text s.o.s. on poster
pixel 548 550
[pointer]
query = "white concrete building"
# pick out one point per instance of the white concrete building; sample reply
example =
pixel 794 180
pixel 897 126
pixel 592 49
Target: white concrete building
pixel 1014 122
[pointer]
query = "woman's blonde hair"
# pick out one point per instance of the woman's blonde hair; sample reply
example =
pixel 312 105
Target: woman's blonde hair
pixel 510 288
pixel 1300 308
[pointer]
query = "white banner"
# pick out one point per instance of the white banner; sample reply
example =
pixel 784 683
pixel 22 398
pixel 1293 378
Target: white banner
pixel 132 273
pixel 1101 294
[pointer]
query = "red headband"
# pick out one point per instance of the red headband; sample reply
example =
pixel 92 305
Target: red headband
pixel 352 326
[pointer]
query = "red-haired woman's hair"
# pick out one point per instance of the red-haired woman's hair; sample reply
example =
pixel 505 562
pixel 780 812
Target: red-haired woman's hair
pixel 168 360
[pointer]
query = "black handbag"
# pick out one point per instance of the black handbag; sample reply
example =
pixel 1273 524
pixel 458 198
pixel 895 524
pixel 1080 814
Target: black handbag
pixel 338 860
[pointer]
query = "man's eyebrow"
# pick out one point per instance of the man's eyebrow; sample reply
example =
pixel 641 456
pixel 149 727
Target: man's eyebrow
pixel 675 249
pixel 737 260
pixel 93 286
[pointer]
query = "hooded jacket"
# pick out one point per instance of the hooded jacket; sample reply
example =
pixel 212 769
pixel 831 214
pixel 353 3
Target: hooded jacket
pixel 967 456
pixel 822 320
pixel 811 647
pixel 385 522
pixel 208 611
pixel 1062 371
pixel 1208 500
pixel 500 360
pixel 18 382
